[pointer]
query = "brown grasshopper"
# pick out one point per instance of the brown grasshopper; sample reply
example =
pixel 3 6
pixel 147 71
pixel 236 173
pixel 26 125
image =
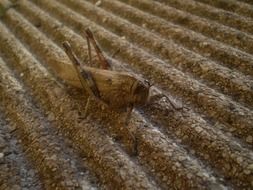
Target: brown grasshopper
pixel 120 91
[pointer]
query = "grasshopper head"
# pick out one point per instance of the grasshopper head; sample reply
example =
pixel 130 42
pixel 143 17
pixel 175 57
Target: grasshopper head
pixel 141 92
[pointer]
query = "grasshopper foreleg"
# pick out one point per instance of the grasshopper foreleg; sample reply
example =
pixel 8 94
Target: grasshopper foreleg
pixel 128 114
pixel 86 107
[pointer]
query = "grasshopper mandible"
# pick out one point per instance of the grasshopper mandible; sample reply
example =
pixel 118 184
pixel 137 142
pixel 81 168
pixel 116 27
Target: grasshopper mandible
pixel 120 91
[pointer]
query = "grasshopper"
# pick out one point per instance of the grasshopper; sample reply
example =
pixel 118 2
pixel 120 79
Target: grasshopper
pixel 120 91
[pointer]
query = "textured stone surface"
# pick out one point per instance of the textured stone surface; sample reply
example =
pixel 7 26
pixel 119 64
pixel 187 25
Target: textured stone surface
pixel 195 133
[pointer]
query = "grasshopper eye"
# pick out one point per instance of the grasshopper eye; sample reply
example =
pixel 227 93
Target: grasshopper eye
pixel 141 92
pixel 139 88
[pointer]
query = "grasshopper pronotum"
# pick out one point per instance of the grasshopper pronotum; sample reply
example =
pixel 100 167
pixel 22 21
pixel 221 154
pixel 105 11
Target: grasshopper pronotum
pixel 119 90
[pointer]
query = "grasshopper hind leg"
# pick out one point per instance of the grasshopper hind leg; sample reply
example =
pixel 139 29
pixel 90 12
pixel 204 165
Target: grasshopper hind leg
pixel 84 76
pixel 104 62
pixel 89 49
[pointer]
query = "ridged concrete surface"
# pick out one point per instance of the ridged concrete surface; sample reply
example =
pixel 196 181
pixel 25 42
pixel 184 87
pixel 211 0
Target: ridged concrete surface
pixel 199 53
